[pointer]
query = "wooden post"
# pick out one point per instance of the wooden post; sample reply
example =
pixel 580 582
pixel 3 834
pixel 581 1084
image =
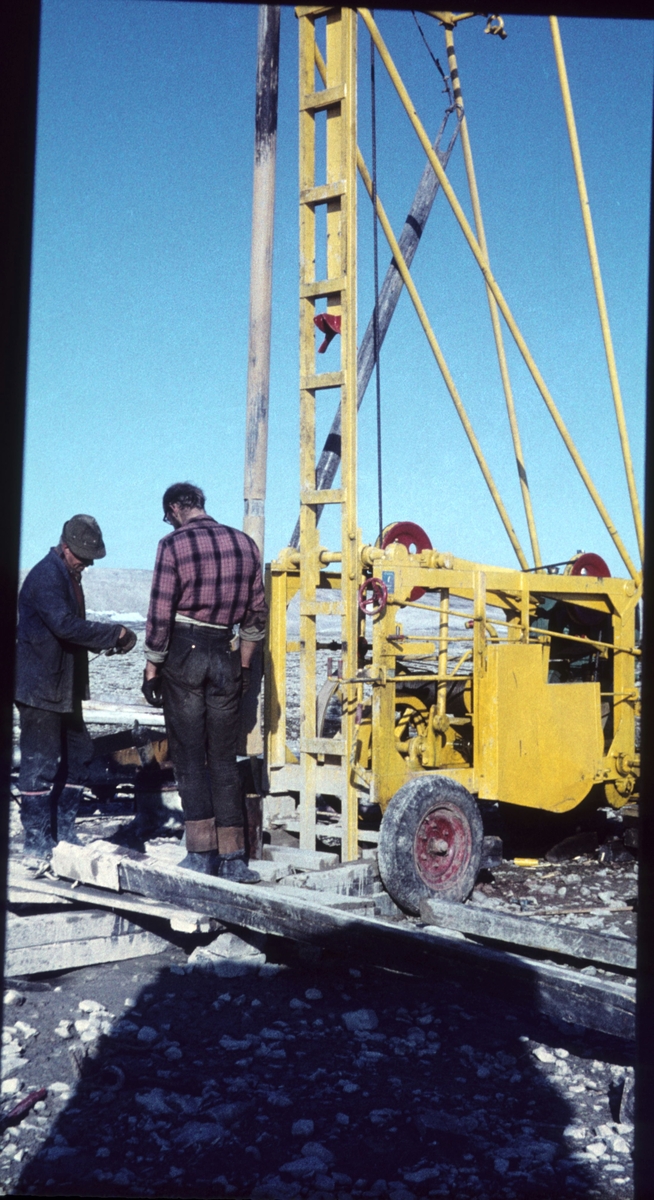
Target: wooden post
pixel 258 383
pixel 263 210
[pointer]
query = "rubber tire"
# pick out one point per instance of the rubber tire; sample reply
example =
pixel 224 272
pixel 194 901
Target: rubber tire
pixel 397 863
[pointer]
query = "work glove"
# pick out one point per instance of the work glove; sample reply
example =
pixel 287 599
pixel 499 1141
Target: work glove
pixel 246 675
pixel 151 689
pixel 126 641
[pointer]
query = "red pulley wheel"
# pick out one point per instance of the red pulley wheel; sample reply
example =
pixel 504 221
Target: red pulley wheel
pixel 590 564
pixel 594 565
pixel 413 536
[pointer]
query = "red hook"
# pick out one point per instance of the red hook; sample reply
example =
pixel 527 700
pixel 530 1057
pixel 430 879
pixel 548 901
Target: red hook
pixel 330 326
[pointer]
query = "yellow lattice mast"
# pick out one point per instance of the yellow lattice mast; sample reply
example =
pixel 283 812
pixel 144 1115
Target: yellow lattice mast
pixel 334 189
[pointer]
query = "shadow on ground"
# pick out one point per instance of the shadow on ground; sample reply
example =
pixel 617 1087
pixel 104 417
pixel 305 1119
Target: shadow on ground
pixel 252 1086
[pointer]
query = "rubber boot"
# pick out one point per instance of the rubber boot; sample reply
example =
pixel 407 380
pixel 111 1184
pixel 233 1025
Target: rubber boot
pixel 234 868
pixel 35 818
pixel 68 804
pixel 205 862
pixel 201 846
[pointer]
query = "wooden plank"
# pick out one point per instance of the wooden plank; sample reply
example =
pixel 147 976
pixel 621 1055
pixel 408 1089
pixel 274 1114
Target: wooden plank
pixel 18 896
pixel 556 991
pixel 47 929
pixel 108 712
pixel 362 904
pixel 348 879
pixel 59 891
pixel 300 860
pixel 528 931
pixel 65 956
pixel 563 992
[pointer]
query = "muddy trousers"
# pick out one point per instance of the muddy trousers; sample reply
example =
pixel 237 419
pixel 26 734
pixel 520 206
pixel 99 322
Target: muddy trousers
pixel 201 694
pixel 55 752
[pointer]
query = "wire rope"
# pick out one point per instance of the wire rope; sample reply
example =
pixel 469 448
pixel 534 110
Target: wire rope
pixel 444 77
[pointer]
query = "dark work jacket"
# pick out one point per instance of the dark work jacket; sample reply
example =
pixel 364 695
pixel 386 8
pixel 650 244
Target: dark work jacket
pixel 51 658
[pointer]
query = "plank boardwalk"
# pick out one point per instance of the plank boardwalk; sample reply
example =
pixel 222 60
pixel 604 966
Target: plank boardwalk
pixel 606 1004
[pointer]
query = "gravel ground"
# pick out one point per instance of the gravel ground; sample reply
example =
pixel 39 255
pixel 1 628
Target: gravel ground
pixel 281 1072
pixel 303 1079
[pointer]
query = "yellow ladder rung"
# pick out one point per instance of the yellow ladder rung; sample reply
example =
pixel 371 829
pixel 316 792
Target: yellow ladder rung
pixel 325 98
pixel 321 608
pixel 323 496
pixel 322 746
pixel 329 379
pixel 323 194
pixel 318 288
pixel 313 10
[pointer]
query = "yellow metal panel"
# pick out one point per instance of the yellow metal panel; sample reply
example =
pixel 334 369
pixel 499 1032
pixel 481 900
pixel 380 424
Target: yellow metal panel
pixel 540 743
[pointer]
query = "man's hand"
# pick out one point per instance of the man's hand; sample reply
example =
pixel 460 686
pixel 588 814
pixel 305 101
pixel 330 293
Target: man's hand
pixel 126 640
pixel 246 675
pixel 151 687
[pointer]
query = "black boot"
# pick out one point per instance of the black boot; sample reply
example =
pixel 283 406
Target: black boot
pixel 234 868
pixel 68 804
pixel 205 862
pixel 35 818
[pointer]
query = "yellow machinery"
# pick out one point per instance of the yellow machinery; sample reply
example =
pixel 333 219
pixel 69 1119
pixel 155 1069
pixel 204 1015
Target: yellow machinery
pixel 520 684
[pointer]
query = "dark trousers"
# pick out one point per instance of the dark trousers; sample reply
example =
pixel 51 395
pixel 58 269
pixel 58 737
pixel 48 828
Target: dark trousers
pixel 55 749
pixel 201 695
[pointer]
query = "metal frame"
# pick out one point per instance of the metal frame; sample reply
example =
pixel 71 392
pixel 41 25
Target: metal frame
pixel 518 725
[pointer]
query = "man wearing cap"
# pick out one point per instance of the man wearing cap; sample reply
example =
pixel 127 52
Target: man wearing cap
pixel 207 579
pixel 52 679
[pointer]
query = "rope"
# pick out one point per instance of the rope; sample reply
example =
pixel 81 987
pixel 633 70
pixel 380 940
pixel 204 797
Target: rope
pixel 375 316
pixel 445 78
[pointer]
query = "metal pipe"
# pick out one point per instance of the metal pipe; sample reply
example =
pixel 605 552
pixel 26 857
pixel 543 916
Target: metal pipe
pixel 443 367
pixel 330 457
pixel 597 281
pixel 261 256
pixel 495 319
pixel 494 287
pixel 443 639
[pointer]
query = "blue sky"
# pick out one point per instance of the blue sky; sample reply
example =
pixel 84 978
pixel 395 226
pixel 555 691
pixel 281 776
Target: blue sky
pixel 140 284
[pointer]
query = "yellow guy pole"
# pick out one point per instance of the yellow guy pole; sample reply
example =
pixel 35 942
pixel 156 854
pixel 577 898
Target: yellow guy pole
pixel 495 319
pixel 443 367
pixel 431 338
pixel 488 276
pixel 597 280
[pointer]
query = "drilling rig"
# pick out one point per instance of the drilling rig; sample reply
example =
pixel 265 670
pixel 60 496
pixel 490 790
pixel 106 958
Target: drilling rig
pixel 520 686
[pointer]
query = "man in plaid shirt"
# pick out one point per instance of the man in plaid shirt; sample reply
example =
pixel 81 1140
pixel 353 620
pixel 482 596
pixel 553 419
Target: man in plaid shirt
pixel 207 578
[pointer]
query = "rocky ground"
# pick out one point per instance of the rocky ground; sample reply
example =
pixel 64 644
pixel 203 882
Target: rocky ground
pixel 260 1069
pixel 303 1078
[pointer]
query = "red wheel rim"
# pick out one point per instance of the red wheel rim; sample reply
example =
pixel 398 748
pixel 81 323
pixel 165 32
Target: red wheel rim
pixel 442 845
pixel 408 534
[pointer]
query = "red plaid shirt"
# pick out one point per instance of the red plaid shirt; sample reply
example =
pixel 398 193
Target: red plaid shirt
pixel 211 573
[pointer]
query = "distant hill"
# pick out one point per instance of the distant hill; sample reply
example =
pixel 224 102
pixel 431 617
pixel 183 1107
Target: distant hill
pixel 115 589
